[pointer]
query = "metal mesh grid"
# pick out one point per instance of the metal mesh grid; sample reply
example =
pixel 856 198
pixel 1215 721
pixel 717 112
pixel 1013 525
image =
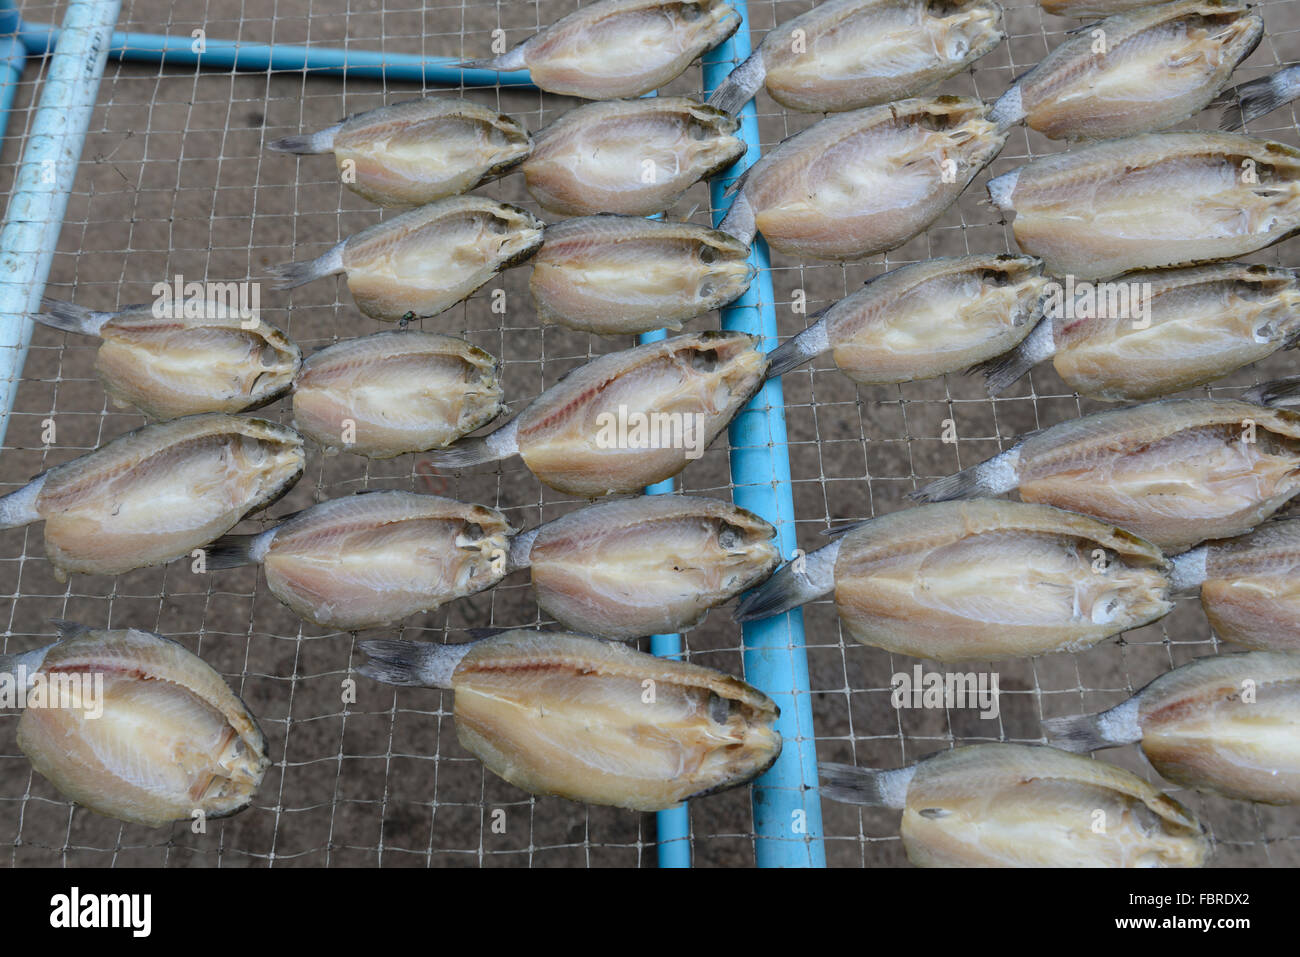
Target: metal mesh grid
pixel 174 179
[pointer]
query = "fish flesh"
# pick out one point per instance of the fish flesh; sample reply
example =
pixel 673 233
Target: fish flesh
pixel 847 54
pixel 622 275
pixel 168 364
pixel 414 152
pixel 162 739
pixel 981 579
pixel 1176 472
pixel 1250 101
pixel 395 392
pixel 155 494
pixel 374 558
pixel 634 157
pixel 627 419
pixel 1091 8
pixel 1227 723
pixel 590 720
pixel 618 48
pixel 1147 69
pixel 1016 805
pixel 863 182
pixel 424 261
pixel 925 320
pixel 1150 334
pixel 649 565
pixel 1249 585
pixel 1156 199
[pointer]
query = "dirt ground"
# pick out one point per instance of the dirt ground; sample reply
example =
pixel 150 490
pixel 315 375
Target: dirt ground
pixel 175 180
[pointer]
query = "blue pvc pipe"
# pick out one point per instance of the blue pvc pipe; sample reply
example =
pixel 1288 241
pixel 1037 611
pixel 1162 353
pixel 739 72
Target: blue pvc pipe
pixel 787 803
pixel 13 57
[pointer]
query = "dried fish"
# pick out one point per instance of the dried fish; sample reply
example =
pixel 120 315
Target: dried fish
pixel 1149 334
pixel 168 364
pixel 863 182
pixel 925 320
pixel 616 48
pixel 1176 472
pixel 590 720
pixel 1227 723
pixel 424 261
pixel 621 275
pixel 144 731
pixel 395 392
pixel 981 579
pixel 1250 101
pixel 417 151
pixel 846 54
pixel 153 495
pixel 1158 199
pixel 1090 8
pixel 649 565
pixel 627 419
pixel 635 157
pixel 1015 805
pixel 1147 69
pixel 374 558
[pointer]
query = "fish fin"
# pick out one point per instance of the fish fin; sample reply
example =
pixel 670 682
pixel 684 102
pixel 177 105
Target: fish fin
pixel 69 317
pixel 866 786
pixel 993 477
pixel 410 663
pixel 797 350
pixel 513 59
pixel 478 449
pixel 70 629
pixel 741 84
pixel 1083 28
pixel 798 582
pixel 1276 392
pixel 322 141
pixel 1250 101
pixel 838 529
pixel 739 221
pixel 229 551
pixel 1079 733
pixel 299 273
pixel 1003 371
pixel 736 186
pixel 18 508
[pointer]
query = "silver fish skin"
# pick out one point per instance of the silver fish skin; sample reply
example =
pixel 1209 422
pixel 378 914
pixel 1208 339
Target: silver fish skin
pixel 567 715
pixel 1157 199
pixel 1092 9
pixel 1250 101
pixel 169 364
pixel 395 392
pixel 1015 805
pixel 414 152
pixel 623 275
pixel 1161 332
pixel 618 48
pixel 1176 472
pixel 981 579
pixel 649 565
pixel 155 494
pixel 374 558
pixel 1150 69
pixel 925 320
pixel 1227 723
pixel 426 260
pixel 847 54
pixel 570 435
pixel 864 182
pixel 597 158
pixel 166 738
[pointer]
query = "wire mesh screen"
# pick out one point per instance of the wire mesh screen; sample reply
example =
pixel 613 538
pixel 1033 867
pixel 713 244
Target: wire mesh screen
pixel 175 180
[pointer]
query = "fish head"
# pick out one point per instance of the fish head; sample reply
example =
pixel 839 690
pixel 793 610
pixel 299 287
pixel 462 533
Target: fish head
pixel 964 30
pixel 738 723
pixel 723 270
pixel 970 136
pixel 510 233
pixel 711 138
pixel 511 142
pixel 742 548
pixel 1017 282
pixel 732 363
pixel 483 538
pixel 702 22
pixel 278 361
pixel 269 454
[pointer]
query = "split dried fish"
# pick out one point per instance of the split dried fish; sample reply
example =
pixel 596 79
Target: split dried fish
pixel 168 364
pixel 618 48
pixel 627 419
pixel 925 320
pixel 395 392
pixel 981 579
pixel 417 151
pixel 863 182
pixel 374 558
pixel 155 494
pixel 590 720
pixel 424 261
pixel 1250 101
pixel 635 157
pixel 1149 334
pixel 847 54
pixel 621 275
pixel 1158 199
pixel 649 565
pixel 1176 472
pixel 1015 805
pixel 1229 723
pixel 166 737
pixel 1148 69
pixel 1090 8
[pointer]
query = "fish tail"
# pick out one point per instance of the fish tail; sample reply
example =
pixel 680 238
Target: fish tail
pixel 794 352
pixel 1008 110
pixel 1189 571
pixel 1002 372
pixel 1079 733
pixel 69 317
pixel 299 273
pixel 478 449
pixel 993 477
pixel 872 788
pixel 741 84
pixel 799 582
pixel 18 508
pixel 322 141
pixel 1276 392
pixel 1250 101
pixel 740 221
pixel 411 663
pixel 230 551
